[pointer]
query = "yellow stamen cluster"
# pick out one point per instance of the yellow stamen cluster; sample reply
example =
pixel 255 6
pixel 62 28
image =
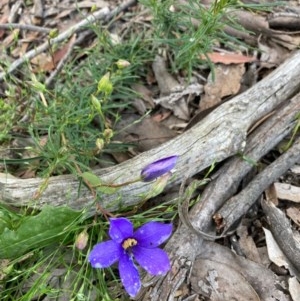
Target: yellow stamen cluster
pixel 128 243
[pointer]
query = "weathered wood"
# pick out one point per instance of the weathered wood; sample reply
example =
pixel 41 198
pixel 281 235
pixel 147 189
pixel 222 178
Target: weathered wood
pixel 230 175
pixel 218 136
pixel 184 245
pixel 239 204
pixel 281 229
pixel 103 14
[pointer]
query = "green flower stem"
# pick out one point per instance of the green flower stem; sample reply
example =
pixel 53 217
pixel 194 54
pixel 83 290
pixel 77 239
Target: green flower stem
pixel 120 184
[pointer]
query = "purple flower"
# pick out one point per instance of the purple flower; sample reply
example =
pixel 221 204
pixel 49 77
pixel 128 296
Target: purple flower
pixel 158 168
pixel 126 244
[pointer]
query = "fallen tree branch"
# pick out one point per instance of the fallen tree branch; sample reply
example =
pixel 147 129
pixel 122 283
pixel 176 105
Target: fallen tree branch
pixel 230 175
pixel 188 240
pixel 61 37
pixel 29 27
pixel 218 136
pixel 238 205
pixel 281 229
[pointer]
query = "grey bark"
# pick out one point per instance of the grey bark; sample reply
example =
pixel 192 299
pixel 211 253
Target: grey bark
pixel 218 136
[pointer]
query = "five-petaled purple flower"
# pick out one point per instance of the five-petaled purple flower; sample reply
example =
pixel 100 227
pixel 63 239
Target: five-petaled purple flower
pixel 126 244
pixel 158 168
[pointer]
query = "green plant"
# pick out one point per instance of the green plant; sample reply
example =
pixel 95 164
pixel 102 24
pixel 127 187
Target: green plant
pixel 189 30
pixel 7 116
pixel 73 124
pixel 69 127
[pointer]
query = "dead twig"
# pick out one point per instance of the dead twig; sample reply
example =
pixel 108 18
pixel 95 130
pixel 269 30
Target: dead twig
pixel 238 205
pixel 103 14
pixel 285 20
pixel 230 175
pixel 25 27
pixel 38 9
pixel 15 11
pixel 280 227
pixel 219 135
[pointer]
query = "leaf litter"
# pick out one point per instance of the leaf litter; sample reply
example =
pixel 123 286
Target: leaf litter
pixel 252 277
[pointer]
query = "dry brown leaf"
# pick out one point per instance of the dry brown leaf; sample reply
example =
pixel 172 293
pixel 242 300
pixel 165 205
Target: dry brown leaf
pixel 10 38
pixel 145 134
pixel 140 106
pixel 171 92
pixel 43 61
pixel 293 212
pixel 276 255
pixel 228 58
pixel 46 62
pixel 227 82
pixel 288 192
pixel 145 94
pixel 174 123
pixel 26 174
pixel 263 255
pixel 50 11
pixel 272 54
pixel 290 42
pixel 64 13
pixel 21 49
pixel 271 195
pixel 247 244
pixel 263 280
pixel 158 117
pixel 210 278
pixel 150 77
pixel 274 252
pixel 178 106
pixel 176 102
pixel 166 82
pixel 121 156
pixel 4 3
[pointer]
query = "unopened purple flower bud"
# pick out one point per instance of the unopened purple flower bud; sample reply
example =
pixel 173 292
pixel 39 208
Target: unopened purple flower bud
pixel 158 168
